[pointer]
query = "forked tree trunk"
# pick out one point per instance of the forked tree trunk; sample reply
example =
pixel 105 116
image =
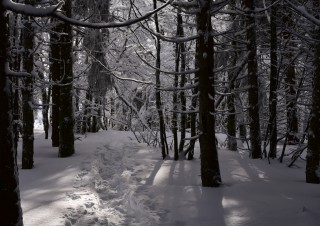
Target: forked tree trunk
pixel 210 171
pixel 10 206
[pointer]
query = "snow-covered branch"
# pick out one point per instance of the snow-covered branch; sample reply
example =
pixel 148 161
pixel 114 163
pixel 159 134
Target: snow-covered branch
pixel 54 11
pixel 31 10
pixel 110 24
pixel 170 39
pixel 303 12
pixel 191 86
pixel 9 72
pixel 116 76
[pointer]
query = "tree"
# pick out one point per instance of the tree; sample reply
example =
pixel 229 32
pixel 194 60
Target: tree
pixel 27 93
pixel 56 70
pixel 253 87
pixel 163 138
pixel 290 77
pixel 183 101
pixel 66 117
pixel 210 171
pixel 272 126
pixel 313 151
pixel 9 183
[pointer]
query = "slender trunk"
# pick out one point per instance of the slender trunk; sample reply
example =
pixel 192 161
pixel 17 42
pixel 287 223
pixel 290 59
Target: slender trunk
pixel 253 94
pixel 45 107
pixel 231 118
pixel 10 205
pixel 194 104
pixel 210 171
pixel 66 114
pixel 183 100
pixel 163 137
pixel 175 104
pixel 273 83
pixel 27 95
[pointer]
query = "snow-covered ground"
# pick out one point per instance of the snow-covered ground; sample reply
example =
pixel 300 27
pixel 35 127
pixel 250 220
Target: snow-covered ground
pixel 113 180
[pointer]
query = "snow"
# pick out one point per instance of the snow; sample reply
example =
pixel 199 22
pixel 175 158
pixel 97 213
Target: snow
pixel 113 180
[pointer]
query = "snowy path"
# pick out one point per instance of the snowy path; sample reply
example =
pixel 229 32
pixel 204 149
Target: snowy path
pixel 113 180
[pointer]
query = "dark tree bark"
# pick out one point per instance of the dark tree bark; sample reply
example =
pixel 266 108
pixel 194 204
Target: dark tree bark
pixel 290 79
pixel 27 94
pixel 10 206
pixel 66 114
pixel 16 63
pixel 231 118
pixel 272 127
pixel 95 117
pixel 183 100
pixel 253 87
pixel 175 102
pixel 55 70
pixel 194 104
pixel 163 137
pixel 210 171
pixel 16 113
pixel 313 151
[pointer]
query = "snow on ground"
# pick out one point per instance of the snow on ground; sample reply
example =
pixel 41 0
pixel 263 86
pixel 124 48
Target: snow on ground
pixel 113 180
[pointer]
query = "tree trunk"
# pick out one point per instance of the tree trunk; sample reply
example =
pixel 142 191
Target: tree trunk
pixel 253 94
pixel 183 100
pixel 231 118
pixel 10 206
pixel 313 151
pixel 163 138
pixel 45 107
pixel 273 83
pixel 289 65
pixel 193 115
pixel 55 70
pixel 175 102
pixel 27 95
pixel 210 171
pixel 66 114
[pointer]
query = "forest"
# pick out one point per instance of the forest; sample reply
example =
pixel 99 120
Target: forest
pixel 163 83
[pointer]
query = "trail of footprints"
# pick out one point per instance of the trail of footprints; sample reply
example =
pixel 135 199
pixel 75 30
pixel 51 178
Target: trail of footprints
pixel 109 191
